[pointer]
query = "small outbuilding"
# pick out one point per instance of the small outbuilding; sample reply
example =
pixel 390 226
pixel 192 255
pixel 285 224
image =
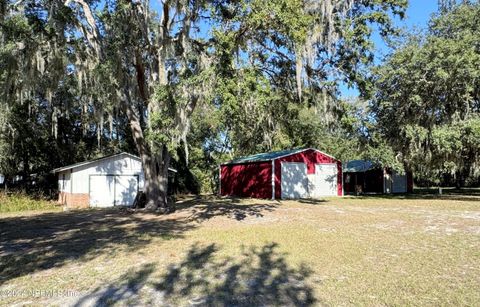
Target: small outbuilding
pixel 105 182
pixel 287 174
pixel 363 176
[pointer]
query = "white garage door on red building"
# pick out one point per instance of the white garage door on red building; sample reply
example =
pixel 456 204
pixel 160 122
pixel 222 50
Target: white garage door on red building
pixel 324 181
pixel 297 183
pixel 294 180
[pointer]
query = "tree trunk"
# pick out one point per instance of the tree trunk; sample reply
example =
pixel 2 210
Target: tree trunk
pixel 156 181
pixel 459 180
pixel 155 167
pixel 26 171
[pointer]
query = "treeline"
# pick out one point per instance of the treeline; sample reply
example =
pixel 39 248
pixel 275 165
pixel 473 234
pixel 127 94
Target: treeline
pixel 192 84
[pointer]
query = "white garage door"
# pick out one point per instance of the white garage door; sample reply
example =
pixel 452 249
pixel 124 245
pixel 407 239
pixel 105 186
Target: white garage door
pixel 126 188
pixel 294 180
pixel 102 191
pixel 399 183
pixel 110 190
pixel 324 181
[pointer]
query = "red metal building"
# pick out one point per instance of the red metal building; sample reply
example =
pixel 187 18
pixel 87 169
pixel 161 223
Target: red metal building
pixel 287 174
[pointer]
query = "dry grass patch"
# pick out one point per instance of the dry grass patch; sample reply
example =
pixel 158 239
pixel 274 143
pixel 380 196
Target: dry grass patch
pixel 339 251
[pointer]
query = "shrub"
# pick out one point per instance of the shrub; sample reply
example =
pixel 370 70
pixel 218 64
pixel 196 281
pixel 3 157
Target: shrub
pixel 22 202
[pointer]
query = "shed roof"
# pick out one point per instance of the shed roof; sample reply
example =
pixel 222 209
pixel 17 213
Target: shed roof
pixel 269 156
pixel 357 166
pixel 64 168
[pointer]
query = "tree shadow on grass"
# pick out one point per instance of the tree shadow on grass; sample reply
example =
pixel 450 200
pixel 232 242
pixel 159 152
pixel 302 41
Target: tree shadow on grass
pixel 130 286
pixel 259 276
pixel 204 208
pixel 312 201
pixel 32 243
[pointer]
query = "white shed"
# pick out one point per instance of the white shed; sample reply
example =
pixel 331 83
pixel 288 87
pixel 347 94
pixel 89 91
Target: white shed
pixel 105 182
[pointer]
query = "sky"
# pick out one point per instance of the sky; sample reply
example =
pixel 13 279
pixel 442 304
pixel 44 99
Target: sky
pixel 418 15
pixel 419 12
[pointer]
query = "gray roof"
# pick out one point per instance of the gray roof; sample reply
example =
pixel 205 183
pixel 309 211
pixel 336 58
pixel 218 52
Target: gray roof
pixel 269 156
pixel 356 166
pixel 64 168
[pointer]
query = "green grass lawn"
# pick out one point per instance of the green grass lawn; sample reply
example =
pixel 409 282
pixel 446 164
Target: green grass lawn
pixel 341 251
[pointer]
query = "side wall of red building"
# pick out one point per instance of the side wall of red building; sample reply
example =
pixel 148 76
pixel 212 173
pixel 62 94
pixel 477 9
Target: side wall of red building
pixel 310 157
pixel 247 180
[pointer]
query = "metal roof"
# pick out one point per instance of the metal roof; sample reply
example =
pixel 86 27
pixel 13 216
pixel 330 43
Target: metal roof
pixel 64 168
pixel 269 156
pixel 357 166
